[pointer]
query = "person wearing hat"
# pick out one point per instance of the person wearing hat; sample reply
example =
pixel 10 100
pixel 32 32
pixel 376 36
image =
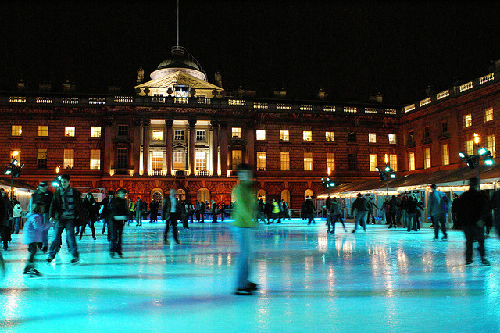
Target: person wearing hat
pixel 43 194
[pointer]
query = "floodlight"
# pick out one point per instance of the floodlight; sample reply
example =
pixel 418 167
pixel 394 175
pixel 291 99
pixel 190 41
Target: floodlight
pixel 482 151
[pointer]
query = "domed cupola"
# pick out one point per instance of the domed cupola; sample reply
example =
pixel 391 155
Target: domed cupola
pixel 180 60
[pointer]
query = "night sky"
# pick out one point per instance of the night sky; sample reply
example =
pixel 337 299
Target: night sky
pixel 350 49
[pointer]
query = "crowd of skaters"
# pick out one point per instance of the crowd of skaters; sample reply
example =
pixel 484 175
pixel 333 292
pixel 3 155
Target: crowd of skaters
pixel 474 212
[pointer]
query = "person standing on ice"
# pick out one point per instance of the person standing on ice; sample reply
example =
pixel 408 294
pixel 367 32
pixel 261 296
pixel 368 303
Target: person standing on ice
pixel 437 209
pixel 245 222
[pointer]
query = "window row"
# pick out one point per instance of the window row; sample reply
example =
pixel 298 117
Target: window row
pixel 487 116
pixel 307 136
pixel 308 160
pixel 43 131
pixel 67 161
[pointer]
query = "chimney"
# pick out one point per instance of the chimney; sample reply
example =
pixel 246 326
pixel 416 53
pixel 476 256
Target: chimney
pixel 140 75
pixel 218 79
pixel 21 85
pixel 68 87
pixel 377 98
pixel 280 93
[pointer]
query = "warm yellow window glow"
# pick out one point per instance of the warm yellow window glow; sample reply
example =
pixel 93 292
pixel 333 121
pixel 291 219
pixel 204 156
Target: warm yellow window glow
pixel 469 147
pixel 488 115
pixel 260 135
pixel 307 135
pixel 392 139
pixel 393 162
pixel 308 161
pixel 236 159
pixel 411 161
pixel 157 135
pixel 68 158
pixel 372 137
pixel 468 120
pixel 284 160
pixel 43 130
pixel 284 135
pixel 373 162
pixel 95 159
pixel 261 160
pixel 330 136
pixel 200 161
pixel 157 160
pixel 445 155
pixel 490 144
pixel 17 130
pixel 236 132
pixel 330 162
pixel 95 132
pixel 427 158
pixel 69 132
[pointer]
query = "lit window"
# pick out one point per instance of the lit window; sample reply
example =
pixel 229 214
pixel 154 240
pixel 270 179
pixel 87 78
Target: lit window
pixel 42 159
pixel 157 135
pixel 201 135
pixel 393 162
pixel 157 160
pixel 200 161
pixel 488 115
pixel 69 132
pixel 235 159
pixel 236 132
pixel 490 144
pixel 307 136
pixel 392 139
pixel 445 155
pixel 43 130
pixel 17 130
pixel 284 135
pixel 469 147
pixel 261 160
pixel 178 160
pixel 179 135
pixel 372 137
pixel 15 154
pixel 411 161
pixel 373 162
pixel 330 136
pixel 95 132
pixel 284 160
pixel 260 135
pixel 427 158
pixel 122 130
pixel 468 120
pixel 68 158
pixel 308 161
pixel 330 162
pixel 95 159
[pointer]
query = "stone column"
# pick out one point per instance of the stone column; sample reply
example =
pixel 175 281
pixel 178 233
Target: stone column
pixel 214 126
pixel 135 156
pixel 168 144
pixel 145 145
pixel 108 145
pixel 223 149
pixel 191 147
pixel 250 146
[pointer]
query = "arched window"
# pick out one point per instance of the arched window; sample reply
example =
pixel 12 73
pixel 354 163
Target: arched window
pixel 261 194
pixel 203 194
pixel 157 194
pixel 285 195
pixel 308 193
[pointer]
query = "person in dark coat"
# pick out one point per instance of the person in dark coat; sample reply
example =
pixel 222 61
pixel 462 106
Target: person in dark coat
pixel 65 211
pixel 153 206
pixel 309 210
pixel 5 227
pixel 170 213
pixel 359 209
pixel 107 212
pixel 472 214
pixel 495 205
pixel 2 216
pixel 119 217
pixel 90 208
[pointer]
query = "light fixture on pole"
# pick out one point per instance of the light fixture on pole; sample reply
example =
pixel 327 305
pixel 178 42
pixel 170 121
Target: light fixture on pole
pixel 385 174
pixel 14 170
pixel 472 161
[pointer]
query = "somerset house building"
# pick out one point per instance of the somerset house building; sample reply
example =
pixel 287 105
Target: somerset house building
pixel 180 131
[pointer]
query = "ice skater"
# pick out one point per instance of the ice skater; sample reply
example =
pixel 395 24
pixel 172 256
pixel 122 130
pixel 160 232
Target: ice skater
pixel 33 234
pixel 245 221
pixel 119 217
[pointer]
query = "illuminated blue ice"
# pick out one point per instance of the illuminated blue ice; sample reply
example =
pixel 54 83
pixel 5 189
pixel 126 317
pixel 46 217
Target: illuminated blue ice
pixel 384 280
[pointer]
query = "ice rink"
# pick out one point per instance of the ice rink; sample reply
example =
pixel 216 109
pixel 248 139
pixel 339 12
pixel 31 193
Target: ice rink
pixel 384 280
